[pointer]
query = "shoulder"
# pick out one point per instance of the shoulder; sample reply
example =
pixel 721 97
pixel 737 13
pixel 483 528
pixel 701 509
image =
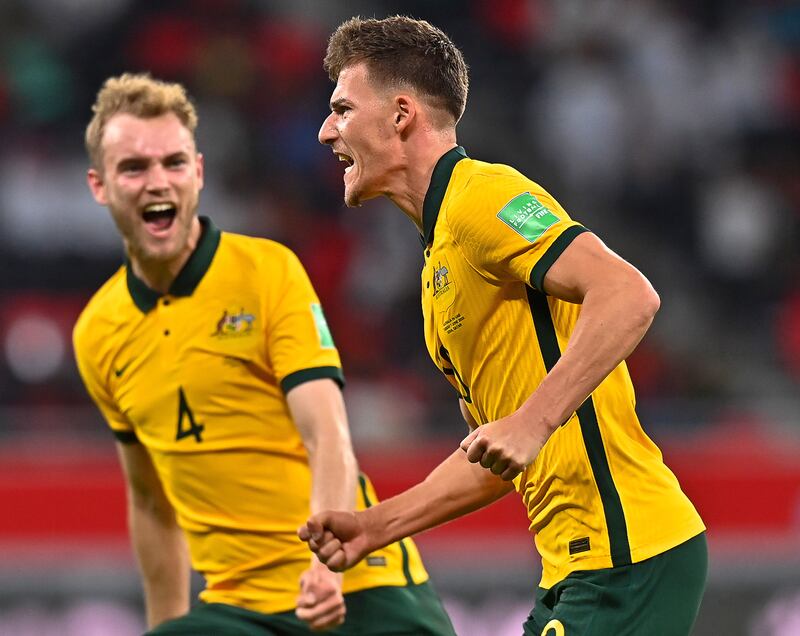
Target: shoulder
pixel 480 192
pixel 256 252
pixel 484 188
pixel 109 305
pixel 263 266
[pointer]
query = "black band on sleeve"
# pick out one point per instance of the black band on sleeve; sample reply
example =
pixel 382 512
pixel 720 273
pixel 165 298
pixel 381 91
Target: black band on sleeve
pixel 126 437
pixel 551 255
pixel 316 373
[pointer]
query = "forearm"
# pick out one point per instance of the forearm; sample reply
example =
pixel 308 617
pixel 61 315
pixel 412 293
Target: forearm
pixel 318 411
pixel 611 325
pixel 452 489
pixel 334 474
pixel 163 559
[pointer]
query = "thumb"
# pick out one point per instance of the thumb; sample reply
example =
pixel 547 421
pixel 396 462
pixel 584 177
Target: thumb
pixel 307 598
pixel 465 443
pixel 312 529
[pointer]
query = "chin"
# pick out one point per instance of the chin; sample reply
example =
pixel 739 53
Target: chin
pixel 355 198
pixel 352 199
pixel 160 251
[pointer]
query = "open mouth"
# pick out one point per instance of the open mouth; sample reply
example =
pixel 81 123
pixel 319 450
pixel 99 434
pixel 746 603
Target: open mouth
pixel 159 216
pixel 347 159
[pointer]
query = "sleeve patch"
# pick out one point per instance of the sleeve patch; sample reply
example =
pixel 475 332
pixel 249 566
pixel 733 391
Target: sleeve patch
pixel 323 331
pixel 527 216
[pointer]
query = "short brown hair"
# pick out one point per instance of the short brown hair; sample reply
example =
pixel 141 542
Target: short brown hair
pixel 403 51
pixel 139 95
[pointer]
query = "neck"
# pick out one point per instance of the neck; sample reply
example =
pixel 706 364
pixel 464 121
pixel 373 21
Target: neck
pixel 159 274
pixel 420 160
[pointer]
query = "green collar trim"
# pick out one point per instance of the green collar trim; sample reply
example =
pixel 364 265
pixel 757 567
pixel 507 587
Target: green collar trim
pixel 435 195
pixel 188 278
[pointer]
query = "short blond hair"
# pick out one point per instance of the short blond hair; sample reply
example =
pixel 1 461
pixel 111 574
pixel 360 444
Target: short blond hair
pixel 141 96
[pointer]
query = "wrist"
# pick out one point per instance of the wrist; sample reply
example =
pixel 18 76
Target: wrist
pixel 373 526
pixel 536 419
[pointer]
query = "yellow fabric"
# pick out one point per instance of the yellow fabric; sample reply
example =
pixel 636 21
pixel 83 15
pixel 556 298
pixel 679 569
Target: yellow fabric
pixel 480 315
pixel 198 379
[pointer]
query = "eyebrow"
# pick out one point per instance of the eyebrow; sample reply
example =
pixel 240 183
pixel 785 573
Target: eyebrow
pixel 172 155
pixel 131 160
pixel 339 102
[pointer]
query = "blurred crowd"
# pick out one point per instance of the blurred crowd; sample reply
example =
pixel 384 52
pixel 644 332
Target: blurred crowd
pixel 670 128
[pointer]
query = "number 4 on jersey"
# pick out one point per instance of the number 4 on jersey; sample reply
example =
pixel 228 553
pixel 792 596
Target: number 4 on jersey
pixel 185 412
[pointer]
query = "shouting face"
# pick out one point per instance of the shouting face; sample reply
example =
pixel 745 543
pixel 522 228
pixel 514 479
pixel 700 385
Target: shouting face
pixel 360 131
pixel 150 180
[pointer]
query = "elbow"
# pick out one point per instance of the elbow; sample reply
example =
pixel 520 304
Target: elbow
pixel 648 304
pixel 651 302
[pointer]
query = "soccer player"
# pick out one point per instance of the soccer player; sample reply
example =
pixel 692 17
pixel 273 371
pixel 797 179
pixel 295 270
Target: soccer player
pixel 530 317
pixel 209 356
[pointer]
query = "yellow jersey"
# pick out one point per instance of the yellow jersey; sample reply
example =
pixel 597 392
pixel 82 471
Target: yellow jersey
pixel 198 376
pixel 598 494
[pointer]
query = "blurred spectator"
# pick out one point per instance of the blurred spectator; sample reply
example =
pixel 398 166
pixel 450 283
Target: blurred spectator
pixel 670 128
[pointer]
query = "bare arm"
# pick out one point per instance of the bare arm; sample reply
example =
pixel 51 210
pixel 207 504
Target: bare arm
pixel 617 307
pixel 454 488
pixel 318 411
pixel 158 542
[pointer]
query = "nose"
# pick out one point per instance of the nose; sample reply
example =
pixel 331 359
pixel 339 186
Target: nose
pixel 157 177
pixel 327 132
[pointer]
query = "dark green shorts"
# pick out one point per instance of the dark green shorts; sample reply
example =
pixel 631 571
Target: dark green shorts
pixel 414 610
pixel 657 597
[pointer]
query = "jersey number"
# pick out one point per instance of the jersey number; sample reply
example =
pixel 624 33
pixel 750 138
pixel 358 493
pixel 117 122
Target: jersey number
pixel 184 412
pixel 554 625
pixel 464 392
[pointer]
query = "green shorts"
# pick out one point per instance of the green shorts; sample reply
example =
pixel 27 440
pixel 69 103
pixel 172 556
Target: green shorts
pixel 657 597
pixel 413 610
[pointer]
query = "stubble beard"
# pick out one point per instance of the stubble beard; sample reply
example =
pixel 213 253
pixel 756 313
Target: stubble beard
pixel 142 246
pixel 352 198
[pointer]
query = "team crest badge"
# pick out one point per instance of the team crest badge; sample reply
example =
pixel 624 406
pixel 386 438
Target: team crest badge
pixel 443 284
pixel 440 278
pixel 234 324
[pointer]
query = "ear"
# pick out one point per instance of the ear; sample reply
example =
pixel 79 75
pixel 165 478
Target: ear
pixel 405 111
pixel 97 186
pixel 200 170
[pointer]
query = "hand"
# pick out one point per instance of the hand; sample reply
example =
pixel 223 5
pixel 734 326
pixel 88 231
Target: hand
pixel 338 538
pixel 321 603
pixel 505 446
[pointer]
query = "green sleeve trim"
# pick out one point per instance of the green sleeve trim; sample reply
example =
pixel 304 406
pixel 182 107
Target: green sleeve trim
pixel 551 255
pixel 126 437
pixel 316 373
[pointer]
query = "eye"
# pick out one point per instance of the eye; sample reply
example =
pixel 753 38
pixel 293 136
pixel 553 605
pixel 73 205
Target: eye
pixel 131 167
pixel 176 162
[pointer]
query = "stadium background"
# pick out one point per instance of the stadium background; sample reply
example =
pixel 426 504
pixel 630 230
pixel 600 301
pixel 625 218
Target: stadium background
pixel 669 128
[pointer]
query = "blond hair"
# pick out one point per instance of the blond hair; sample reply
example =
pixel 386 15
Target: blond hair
pixel 141 96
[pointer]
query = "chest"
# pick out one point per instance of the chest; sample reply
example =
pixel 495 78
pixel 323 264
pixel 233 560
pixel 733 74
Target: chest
pixel 457 304
pixel 186 356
